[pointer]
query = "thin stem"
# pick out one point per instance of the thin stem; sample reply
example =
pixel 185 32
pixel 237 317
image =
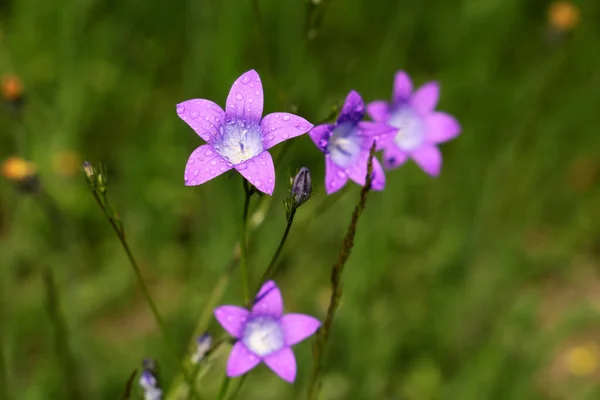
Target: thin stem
pixel 244 243
pixel 224 387
pixel 3 372
pixel 336 276
pixel 238 388
pixel 271 268
pixel 116 224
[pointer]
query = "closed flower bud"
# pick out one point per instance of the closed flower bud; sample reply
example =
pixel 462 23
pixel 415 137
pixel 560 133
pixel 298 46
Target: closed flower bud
pixel 88 170
pixel 301 187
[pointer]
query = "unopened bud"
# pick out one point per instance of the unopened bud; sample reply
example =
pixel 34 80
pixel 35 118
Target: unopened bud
pixel 88 170
pixel 301 187
pixel 203 344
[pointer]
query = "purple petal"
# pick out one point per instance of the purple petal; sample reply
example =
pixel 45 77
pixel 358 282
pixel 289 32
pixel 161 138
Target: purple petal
pixel 268 300
pixel 277 127
pixel 379 110
pixel 259 171
pixel 240 360
pixel 297 327
pixel 335 177
pixel 353 109
pixel 429 158
pixel 441 127
pixel 203 116
pixel 402 87
pixel 358 173
pixel 245 100
pixel 283 363
pixel 320 135
pixel 393 157
pixel 375 131
pixel 232 319
pixel 203 165
pixel 426 97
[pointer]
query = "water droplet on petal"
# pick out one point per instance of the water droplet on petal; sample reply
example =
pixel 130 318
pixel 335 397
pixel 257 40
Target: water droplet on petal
pixel 258 183
pixel 286 117
pixel 263 163
pixel 341 174
pixel 250 100
pixel 277 116
pixel 271 137
pixel 245 79
pixel 284 135
pixel 192 161
pixel 257 92
pixel 239 96
pixel 194 114
pixel 180 109
pixel 213 162
pixel 194 182
pixel 196 172
pixel 208 153
pixel 270 180
pixel 242 166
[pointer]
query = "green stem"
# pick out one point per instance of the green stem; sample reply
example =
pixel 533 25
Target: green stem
pixel 244 244
pixel 224 387
pixel 138 274
pixel 272 265
pixel 238 388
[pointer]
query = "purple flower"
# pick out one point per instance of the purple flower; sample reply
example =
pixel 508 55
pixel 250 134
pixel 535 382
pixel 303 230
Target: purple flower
pixel 420 128
pixel 265 334
pixel 237 138
pixel 346 145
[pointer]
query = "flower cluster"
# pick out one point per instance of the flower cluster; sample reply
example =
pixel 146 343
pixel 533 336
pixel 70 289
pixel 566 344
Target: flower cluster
pixel 239 138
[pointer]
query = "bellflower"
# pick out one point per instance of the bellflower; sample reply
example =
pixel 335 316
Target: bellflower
pixel 347 144
pixel 420 128
pixel 265 334
pixel 237 137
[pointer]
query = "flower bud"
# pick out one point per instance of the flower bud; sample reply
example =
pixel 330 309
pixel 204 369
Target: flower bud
pixel 301 187
pixel 88 170
pixel 203 344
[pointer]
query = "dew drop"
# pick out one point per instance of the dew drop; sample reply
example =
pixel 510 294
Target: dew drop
pixel 191 162
pixel 257 92
pixel 341 174
pixel 194 182
pixel 286 117
pixel 194 114
pixel 213 162
pixel 208 153
pixel 271 137
pixel 180 109
pixel 223 169
pixel 250 100
pixel 258 183
pixel 277 116
pixel 242 166
pixel 196 172
pixel 245 79
pixel 213 172
pixel 270 180
pixel 263 163
pixel 284 135
pixel 239 96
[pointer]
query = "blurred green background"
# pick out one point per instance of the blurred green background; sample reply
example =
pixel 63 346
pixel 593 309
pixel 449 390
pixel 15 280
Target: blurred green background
pixel 481 284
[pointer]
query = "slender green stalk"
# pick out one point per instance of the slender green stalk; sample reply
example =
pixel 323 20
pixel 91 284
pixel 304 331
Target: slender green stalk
pixel 119 230
pixel 224 387
pixel 238 388
pixel 4 391
pixel 244 242
pixel 336 275
pixel 271 268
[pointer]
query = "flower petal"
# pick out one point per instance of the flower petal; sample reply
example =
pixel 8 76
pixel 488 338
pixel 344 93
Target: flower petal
pixel 232 319
pixel 375 131
pixel 441 127
pixel 402 87
pixel 320 135
pixel 358 173
pixel 245 100
pixel 426 97
pixel 429 158
pixel 259 171
pixel 277 127
pixel 378 110
pixel 241 360
pixel 283 363
pixel 353 109
pixel 203 165
pixel 393 157
pixel 335 177
pixel 203 116
pixel 268 300
pixel 297 327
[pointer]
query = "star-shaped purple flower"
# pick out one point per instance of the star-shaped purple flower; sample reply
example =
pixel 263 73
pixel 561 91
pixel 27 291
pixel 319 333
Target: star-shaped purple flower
pixel 237 138
pixel 265 334
pixel 347 144
pixel 420 128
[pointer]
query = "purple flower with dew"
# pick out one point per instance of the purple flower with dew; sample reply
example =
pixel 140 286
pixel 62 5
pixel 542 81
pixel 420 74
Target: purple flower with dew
pixel 347 143
pixel 238 137
pixel 264 333
pixel 420 128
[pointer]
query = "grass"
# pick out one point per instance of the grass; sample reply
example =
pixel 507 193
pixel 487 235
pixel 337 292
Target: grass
pixel 475 285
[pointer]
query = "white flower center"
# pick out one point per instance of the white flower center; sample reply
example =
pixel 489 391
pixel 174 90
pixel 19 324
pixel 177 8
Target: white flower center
pixel 411 129
pixel 344 145
pixel 263 336
pixel 238 141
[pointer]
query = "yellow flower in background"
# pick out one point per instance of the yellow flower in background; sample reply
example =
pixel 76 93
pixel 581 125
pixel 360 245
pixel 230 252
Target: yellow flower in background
pixel 582 360
pixel 66 163
pixel 563 15
pixel 17 169
pixel 12 87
